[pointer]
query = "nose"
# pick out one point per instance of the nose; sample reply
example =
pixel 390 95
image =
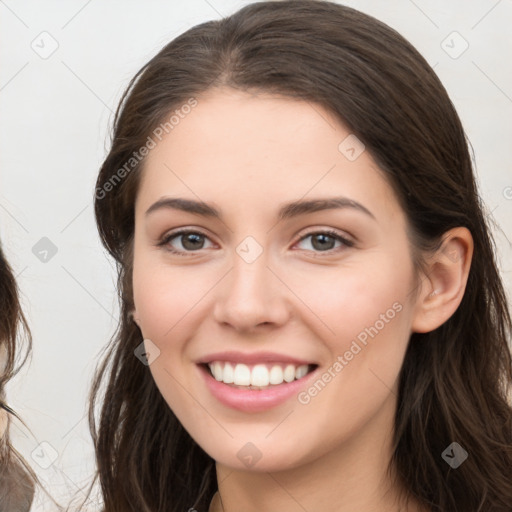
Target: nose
pixel 252 296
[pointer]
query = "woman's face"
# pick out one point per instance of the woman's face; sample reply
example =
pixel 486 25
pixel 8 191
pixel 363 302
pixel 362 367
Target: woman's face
pixel 264 291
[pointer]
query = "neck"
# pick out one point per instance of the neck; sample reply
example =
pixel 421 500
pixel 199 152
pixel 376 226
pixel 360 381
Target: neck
pixel 352 476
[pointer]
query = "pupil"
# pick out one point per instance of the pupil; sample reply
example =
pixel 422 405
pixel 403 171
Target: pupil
pixel 323 241
pixel 193 238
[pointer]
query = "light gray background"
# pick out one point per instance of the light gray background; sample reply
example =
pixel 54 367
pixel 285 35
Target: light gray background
pixel 55 118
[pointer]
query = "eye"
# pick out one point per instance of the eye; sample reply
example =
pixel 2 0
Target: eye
pixel 189 240
pixel 322 241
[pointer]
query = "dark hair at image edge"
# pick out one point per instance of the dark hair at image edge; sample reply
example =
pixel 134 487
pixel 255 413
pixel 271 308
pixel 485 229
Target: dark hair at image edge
pixel 17 480
pixel 455 381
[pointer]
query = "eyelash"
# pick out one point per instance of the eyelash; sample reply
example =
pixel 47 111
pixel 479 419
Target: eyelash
pixel 164 242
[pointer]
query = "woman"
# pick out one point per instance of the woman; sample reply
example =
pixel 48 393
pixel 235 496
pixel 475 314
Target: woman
pixel 254 367
pixel 16 479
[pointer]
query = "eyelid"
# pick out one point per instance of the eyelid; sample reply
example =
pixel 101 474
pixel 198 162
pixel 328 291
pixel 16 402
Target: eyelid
pixel 346 241
pixel 325 230
pixel 166 238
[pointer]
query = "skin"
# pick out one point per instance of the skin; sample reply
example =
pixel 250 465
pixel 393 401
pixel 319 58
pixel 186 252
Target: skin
pixel 296 298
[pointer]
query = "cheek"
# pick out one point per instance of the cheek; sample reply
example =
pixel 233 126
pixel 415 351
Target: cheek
pixel 371 322
pixel 365 315
pixel 163 299
pixel 164 295
pixel 158 304
pixel 354 300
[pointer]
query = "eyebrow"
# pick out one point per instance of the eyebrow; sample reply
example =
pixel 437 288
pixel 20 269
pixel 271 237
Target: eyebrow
pixel 287 211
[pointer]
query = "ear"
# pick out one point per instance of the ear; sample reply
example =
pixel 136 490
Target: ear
pixel 444 282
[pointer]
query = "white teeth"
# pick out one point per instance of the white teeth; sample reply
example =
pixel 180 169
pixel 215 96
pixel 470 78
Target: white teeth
pixel 217 371
pixel 276 375
pixel 229 374
pixel 301 371
pixel 259 375
pixel 242 375
pixel 289 373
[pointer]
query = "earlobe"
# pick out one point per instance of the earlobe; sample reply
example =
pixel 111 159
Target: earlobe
pixel 444 282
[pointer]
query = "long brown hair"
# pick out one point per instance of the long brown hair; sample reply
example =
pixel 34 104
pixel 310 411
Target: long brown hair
pixel 455 380
pixel 17 480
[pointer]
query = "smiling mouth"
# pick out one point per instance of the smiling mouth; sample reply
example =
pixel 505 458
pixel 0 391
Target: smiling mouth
pixel 258 376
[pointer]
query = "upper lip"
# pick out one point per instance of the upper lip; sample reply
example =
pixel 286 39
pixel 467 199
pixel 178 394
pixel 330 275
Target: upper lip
pixel 233 356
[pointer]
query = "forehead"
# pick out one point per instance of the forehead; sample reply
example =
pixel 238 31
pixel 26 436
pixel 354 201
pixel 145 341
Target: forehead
pixel 262 146
pixel 251 125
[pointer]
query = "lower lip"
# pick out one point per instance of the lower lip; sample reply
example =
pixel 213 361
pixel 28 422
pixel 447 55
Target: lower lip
pixel 247 400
